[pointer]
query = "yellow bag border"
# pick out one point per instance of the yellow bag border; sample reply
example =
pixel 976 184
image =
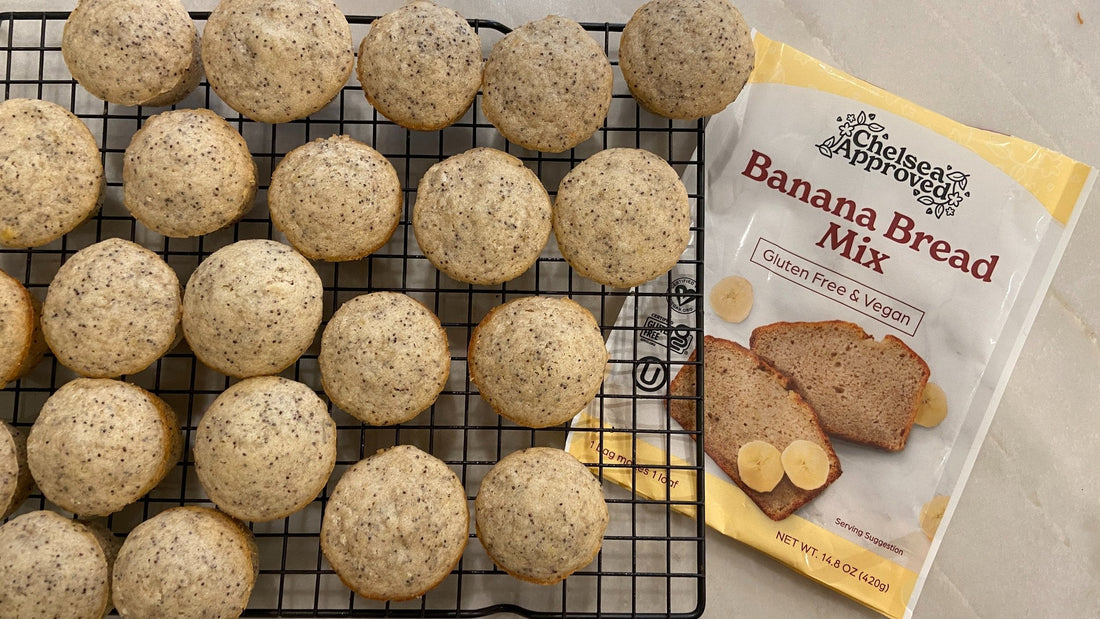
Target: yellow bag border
pixel 1054 179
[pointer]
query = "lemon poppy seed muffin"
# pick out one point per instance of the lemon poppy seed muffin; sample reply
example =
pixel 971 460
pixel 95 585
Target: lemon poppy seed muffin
pixel 335 199
pixel 546 85
pixel 15 475
pixel 21 341
pixel 113 308
pixel 277 60
pixel 384 358
pixel 265 448
pixel 186 562
pixel 420 65
pixel 188 173
pixel 100 444
pixel 622 217
pixel 252 308
pixel 538 360
pixel 686 58
pixel 133 52
pixel 540 515
pixel 51 174
pixel 481 217
pixel 396 524
pixel 53 566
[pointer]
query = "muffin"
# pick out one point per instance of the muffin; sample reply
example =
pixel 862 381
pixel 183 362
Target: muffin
pixel 51 174
pixel 277 60
pixel 384 358
pixel 187 173
pixel 481 217
pixel 186 562
pixel 21 341
pixel 113 308
pixel 15 476
pixel 396 524
pixel 540 515
pixel 420 65
pixel 252 308
pixel 538 360
pixel 133 52
pixel 100 444
pixel 622 217
pixel 265 448
pixel 546 85
pixel 335 199
pixel 686 58
pixel 52 566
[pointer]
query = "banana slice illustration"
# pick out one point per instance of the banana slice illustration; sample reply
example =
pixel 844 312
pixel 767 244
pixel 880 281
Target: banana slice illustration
pixel 758 464
pixel 806 464
pixel 933 406
pixel 731 298
pixel 932 513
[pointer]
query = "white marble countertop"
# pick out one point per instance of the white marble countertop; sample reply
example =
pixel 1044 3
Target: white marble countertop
pixel 1025 539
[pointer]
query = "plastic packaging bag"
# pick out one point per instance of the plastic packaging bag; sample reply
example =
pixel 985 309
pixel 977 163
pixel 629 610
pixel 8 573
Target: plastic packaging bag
pixel 837 200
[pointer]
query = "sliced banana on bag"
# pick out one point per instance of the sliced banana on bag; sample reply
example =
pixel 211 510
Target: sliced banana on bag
pixel 731 298
pixel 932 513
pixel 933 406
pixel 806 464
pixel 758 464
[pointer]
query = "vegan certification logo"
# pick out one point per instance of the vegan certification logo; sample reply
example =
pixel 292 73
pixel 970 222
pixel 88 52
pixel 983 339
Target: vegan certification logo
pixel 863 142
pixel 682 295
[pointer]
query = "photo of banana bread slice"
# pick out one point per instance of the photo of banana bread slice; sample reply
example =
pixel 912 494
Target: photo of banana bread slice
pixel 748 400
pixel 864 390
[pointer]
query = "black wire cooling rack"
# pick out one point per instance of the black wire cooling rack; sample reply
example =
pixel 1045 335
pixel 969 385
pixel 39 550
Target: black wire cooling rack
pixel 652 561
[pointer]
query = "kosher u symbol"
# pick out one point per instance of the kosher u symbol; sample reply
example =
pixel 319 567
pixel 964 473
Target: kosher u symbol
pixel 650 374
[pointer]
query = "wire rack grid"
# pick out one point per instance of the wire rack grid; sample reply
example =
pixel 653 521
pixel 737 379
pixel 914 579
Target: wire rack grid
pixel 652 561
